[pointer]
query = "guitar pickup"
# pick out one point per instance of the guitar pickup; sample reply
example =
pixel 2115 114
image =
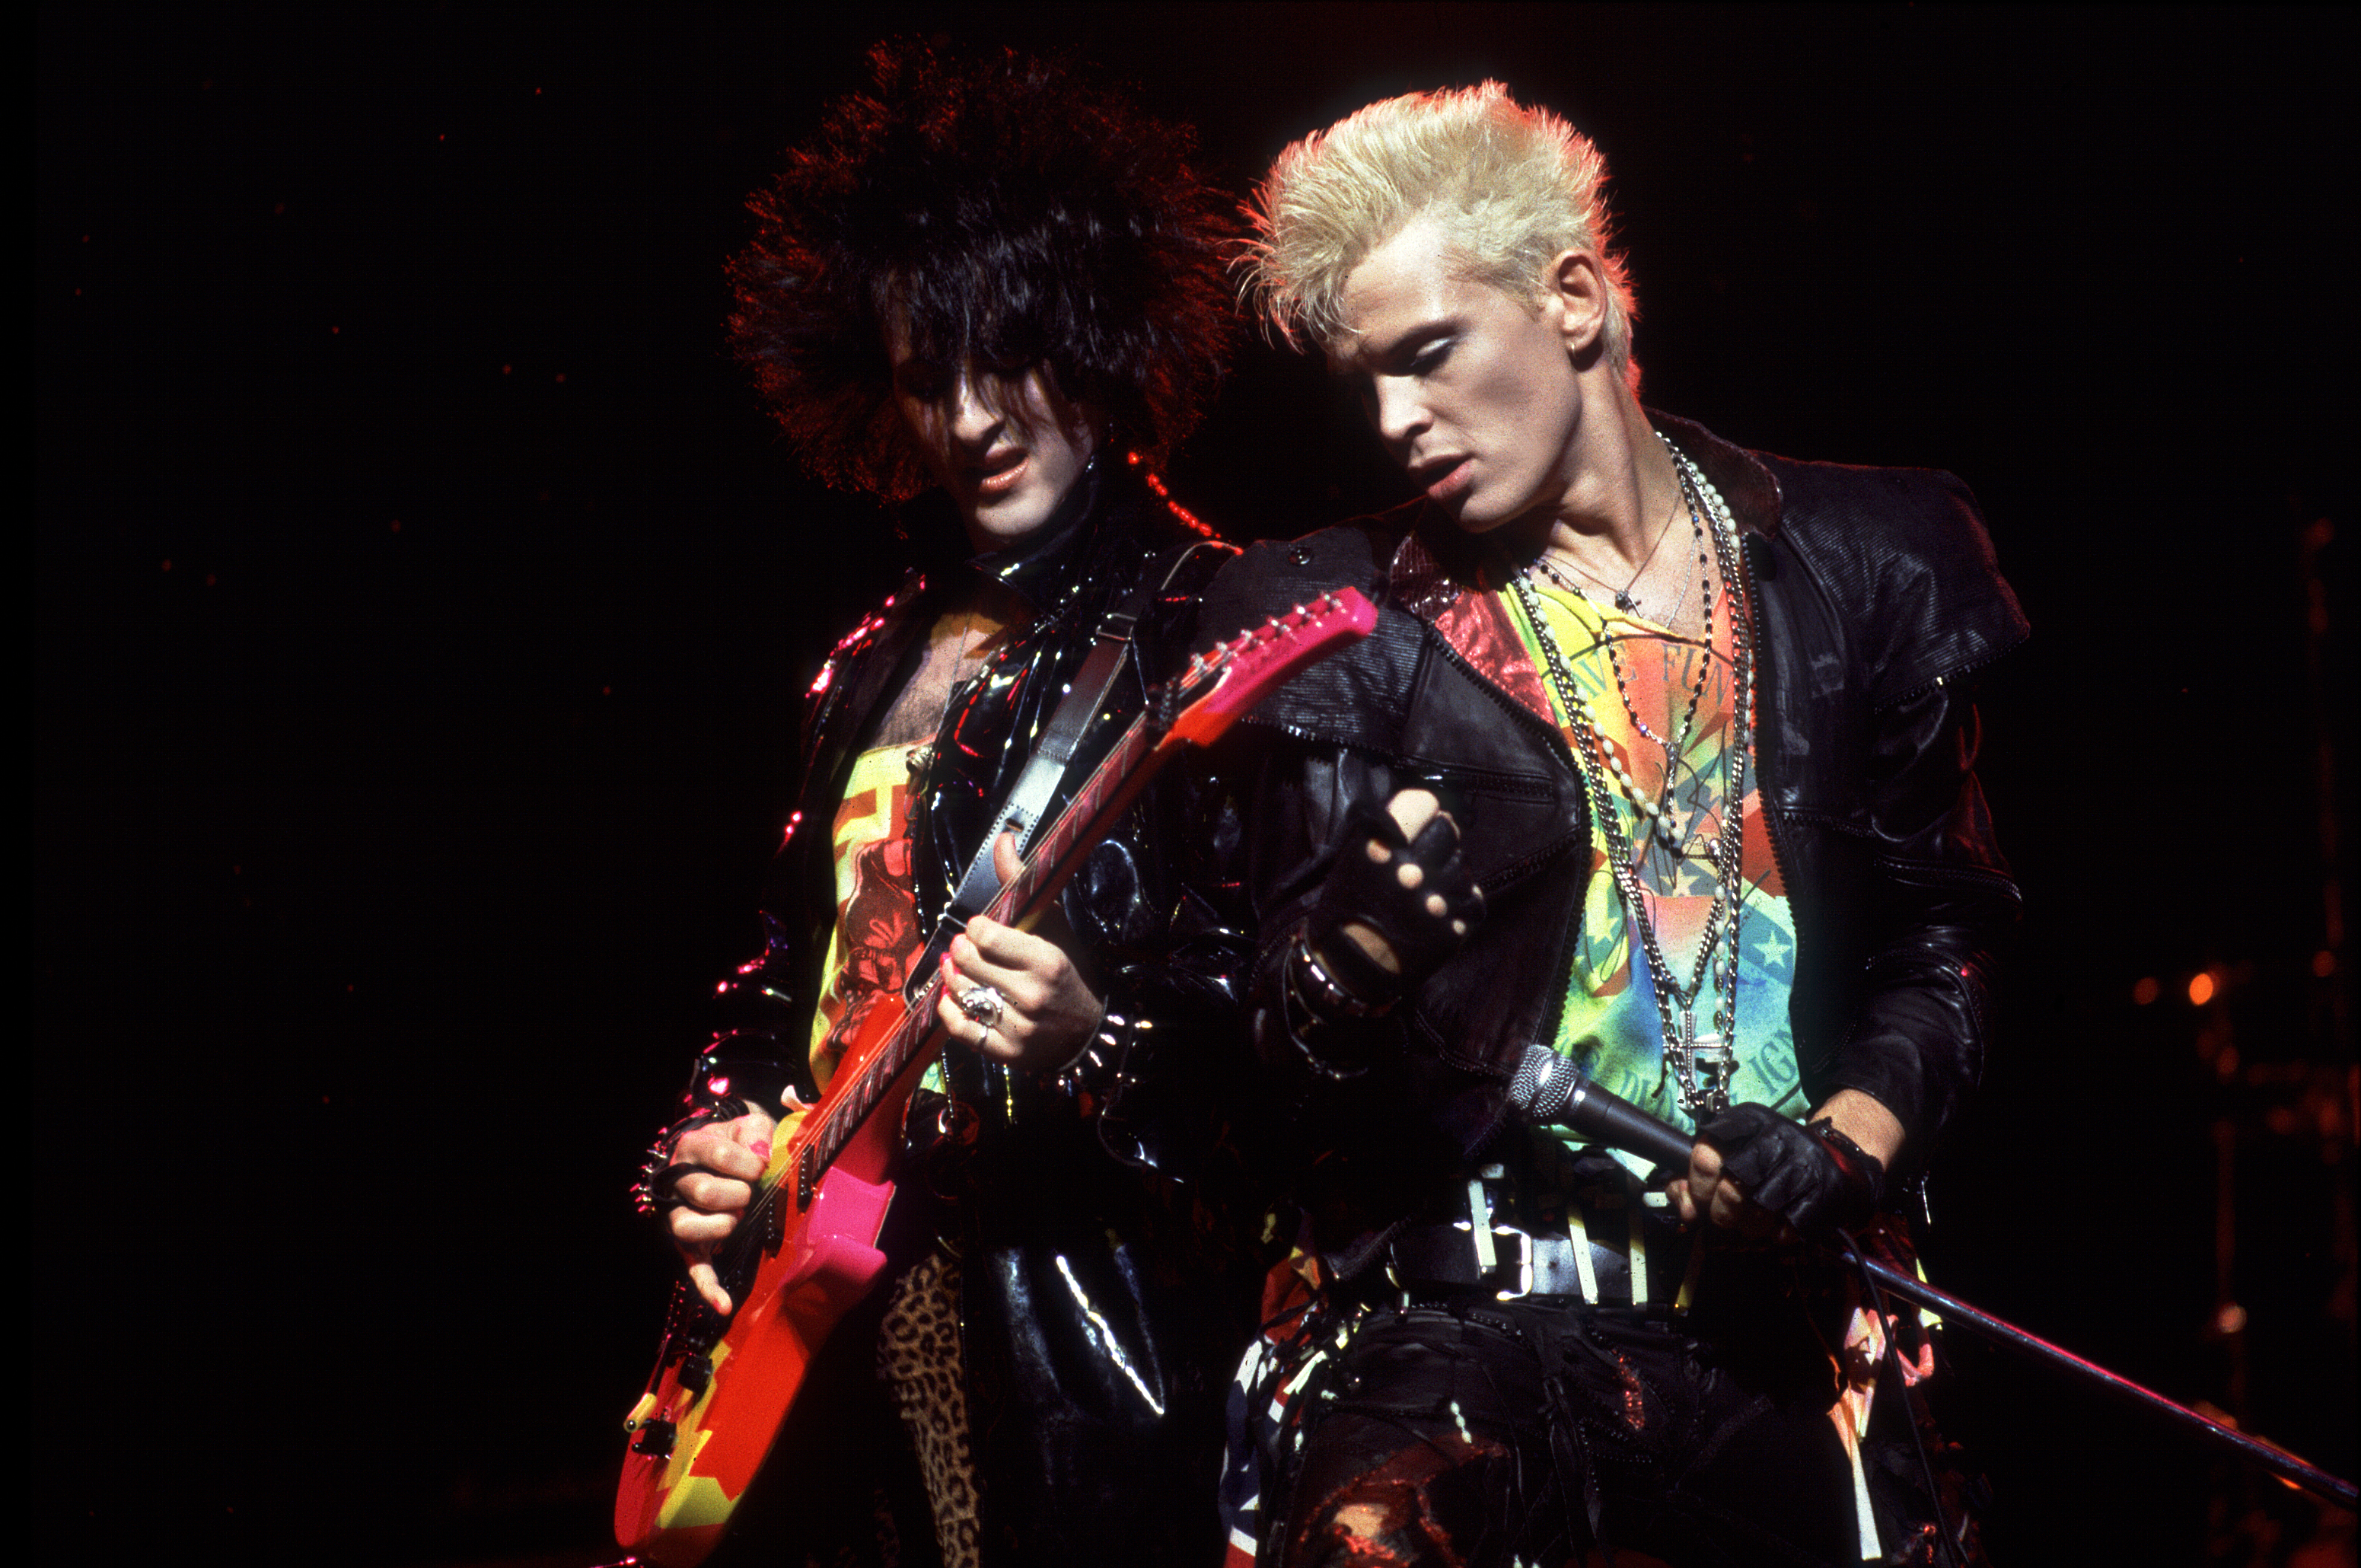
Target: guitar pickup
pixel 656 1439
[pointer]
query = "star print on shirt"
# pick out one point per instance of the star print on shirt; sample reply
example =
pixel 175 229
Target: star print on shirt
pixel 1610 1021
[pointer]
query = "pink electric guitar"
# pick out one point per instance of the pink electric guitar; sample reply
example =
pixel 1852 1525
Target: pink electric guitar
pixel 806 1253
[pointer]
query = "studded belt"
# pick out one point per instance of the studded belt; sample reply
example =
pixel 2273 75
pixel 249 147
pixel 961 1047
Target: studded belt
pixel 1604 1248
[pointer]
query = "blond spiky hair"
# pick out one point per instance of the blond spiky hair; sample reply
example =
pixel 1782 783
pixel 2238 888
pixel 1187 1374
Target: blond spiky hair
pixel 1515 187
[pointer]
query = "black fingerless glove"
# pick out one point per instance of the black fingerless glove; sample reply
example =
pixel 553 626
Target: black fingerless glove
pixel 1814 1177
pixel 1371 892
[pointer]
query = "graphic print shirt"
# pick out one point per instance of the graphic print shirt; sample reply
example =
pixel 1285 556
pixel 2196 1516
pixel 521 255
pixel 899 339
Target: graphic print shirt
pixel 1610 1024
pixel 875 939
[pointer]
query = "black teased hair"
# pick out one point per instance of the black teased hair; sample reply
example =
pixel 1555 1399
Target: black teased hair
pixel 1017 216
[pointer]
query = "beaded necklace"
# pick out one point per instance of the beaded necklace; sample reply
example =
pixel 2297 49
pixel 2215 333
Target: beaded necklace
pixel 1712 1057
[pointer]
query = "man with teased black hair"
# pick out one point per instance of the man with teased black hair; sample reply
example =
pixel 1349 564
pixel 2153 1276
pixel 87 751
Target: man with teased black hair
pixel 996 280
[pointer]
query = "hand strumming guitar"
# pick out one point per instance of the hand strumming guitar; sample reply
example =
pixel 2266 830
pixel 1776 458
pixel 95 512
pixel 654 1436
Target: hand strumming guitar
pixel 727 1157
pixel 1047 1011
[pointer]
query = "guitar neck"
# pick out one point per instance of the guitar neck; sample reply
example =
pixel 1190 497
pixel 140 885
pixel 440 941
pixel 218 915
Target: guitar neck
pixel 1104 797
pixel 1222 685
pixel 1109 791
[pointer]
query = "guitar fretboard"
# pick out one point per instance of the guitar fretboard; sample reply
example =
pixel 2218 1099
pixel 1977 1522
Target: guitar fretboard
pixel 1016 900
pixel 1218 686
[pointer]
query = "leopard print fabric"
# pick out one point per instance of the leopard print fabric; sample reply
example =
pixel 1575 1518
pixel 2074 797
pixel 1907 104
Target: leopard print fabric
pixel 918 1361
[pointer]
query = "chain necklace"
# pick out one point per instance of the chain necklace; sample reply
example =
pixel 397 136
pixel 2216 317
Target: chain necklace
pixel 1623 599
pixel 1713 1056
pixel 1677 746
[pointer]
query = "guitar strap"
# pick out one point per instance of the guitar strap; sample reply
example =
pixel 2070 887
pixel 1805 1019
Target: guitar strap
pixel 1037 787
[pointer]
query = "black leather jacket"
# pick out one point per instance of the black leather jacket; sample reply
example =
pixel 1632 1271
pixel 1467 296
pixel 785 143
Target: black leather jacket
pixel 1875 595
pixel 1165 949
pixel 1098 1334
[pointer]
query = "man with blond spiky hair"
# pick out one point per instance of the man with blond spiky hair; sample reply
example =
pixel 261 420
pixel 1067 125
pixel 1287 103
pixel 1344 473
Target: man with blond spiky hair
pixel 1658 770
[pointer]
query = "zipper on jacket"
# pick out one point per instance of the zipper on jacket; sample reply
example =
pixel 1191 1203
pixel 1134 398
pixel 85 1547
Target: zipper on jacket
pixel 1755 725
pixel 1970 668
pixel 1764 794
pixel 1562 957
pixel 1920 874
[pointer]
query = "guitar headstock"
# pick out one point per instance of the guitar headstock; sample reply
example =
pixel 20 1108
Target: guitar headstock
pixel 1221 686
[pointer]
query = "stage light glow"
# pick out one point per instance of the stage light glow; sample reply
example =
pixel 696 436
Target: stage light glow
pixel 2200 988
pixel 2144 990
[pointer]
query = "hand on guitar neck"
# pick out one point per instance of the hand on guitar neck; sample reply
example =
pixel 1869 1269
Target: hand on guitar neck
pixel 1047 1011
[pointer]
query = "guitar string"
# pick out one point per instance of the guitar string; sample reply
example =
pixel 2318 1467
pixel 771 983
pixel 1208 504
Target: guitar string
pixel 831 1135
pixel 1120 759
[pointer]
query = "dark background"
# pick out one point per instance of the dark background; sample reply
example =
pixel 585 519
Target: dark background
pixel 423 602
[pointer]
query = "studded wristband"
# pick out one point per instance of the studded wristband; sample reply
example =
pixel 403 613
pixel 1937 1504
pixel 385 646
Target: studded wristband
pixel 1320 991
pixel 653 1192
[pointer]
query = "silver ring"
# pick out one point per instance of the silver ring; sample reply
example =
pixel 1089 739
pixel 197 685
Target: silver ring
pixel 983 1006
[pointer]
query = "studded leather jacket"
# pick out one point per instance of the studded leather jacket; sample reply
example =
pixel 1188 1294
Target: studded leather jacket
pixel 1875 599
pixel 1147 911
pixel 1101 1305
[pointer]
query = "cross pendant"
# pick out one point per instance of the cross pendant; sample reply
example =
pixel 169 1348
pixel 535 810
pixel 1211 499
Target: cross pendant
pixel 1712 1060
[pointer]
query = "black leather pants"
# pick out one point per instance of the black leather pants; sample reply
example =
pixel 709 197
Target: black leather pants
pixel 1491 1433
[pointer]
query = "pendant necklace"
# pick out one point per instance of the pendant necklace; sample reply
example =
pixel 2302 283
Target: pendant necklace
pixel 1702 1065
pixel 1623 599
pixel 1676 745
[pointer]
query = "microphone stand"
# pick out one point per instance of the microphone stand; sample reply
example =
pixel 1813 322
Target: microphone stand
pixel 1596 1114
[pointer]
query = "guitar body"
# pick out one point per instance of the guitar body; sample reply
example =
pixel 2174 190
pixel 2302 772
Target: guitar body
pixel 694 1452
pixel 806 1253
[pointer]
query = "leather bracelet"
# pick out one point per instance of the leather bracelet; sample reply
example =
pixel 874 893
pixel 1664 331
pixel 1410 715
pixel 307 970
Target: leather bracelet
pixel 1322 1065
pixel 1330 997
pixel 664 1187
pixel 1290 1005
